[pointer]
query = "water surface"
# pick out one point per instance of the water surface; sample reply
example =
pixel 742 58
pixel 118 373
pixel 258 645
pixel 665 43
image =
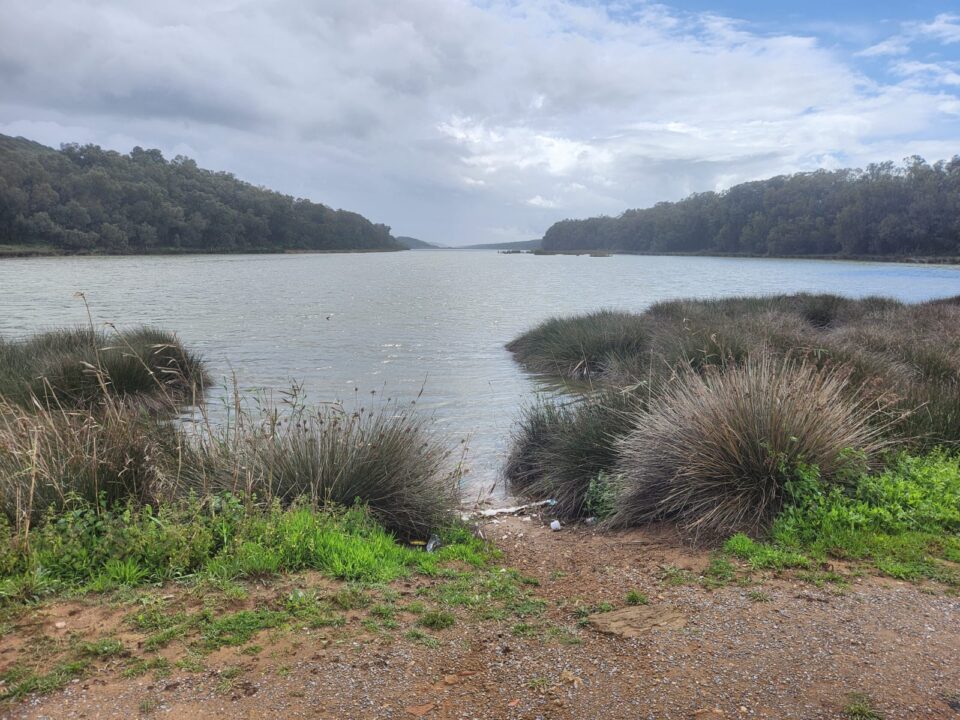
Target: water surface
pixel 396 323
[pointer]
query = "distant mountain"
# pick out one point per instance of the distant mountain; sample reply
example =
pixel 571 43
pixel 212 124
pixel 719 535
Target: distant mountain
pixel 84 199
pixel 519 245
pixel 411 243
pixel 885 210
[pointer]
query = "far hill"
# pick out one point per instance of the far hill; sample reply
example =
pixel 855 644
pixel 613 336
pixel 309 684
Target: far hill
pixel 519 245
pixel 412 243
pixel 84 199
pixel 886 210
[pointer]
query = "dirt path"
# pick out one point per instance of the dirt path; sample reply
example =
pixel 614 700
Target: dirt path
pixel 768 648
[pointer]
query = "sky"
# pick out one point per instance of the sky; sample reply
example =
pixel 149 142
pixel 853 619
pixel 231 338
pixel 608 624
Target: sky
pixel 463 122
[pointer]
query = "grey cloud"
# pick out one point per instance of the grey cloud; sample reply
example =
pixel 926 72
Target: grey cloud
pixel 445 118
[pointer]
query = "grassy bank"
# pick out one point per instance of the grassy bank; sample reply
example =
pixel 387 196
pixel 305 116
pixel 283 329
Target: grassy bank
pixel 219 538
pixel 77 367
pixel 386 459
pixel 731 416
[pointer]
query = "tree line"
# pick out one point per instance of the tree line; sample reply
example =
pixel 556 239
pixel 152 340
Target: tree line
pixel 84 199
pixel 911 209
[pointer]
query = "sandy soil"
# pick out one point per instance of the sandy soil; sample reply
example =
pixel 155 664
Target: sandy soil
pixel 692 652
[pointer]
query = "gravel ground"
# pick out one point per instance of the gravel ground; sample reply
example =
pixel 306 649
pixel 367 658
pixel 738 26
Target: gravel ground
pixel 797 651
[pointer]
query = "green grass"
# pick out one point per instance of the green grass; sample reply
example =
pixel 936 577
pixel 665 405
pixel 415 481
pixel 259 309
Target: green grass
pixel 418 636
pixel 140 667
pixel 222 539
pixel 437 620
pixel 20 681
pixel 239 628
pixel 103 648
pixel 903 521
pixel 86 414
pixel 860 707
pixel 635 597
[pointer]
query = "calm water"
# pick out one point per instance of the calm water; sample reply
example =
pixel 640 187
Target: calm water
pixel 399 322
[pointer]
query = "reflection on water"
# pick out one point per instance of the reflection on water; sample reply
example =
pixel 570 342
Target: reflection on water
pixel 398 323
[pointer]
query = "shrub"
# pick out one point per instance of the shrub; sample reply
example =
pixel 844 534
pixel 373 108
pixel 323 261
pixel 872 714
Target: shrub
pixel 559 451
pixel 716 451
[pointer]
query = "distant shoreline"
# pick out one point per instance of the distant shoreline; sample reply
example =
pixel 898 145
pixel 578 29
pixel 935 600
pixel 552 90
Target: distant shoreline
pixel 906 259
pixel 19 252
pixel 26 252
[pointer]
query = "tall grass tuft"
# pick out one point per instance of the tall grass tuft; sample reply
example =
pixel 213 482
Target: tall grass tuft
pixel 716 451
pixel 910 353
pixel 582 346
pixel 560 449
pixel 78 367
pixel 385 458
pixel 50 457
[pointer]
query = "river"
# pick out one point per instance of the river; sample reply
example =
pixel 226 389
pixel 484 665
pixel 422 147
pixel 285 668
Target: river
pixel 398 323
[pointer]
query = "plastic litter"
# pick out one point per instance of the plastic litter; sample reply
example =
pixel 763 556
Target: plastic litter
pixel 555 525
pixel 433 543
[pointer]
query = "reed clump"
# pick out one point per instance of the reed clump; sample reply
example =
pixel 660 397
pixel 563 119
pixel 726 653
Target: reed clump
pixel 740 397
pixel 93 418
pixel 79 367
pixel 910 353
pixel 582 346
pixel 386 458
pixel 717 451
pixel 559 447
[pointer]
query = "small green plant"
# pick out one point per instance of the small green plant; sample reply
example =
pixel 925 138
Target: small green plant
pixel 860 707
pixel 673 576
pixel 147 706
pixel 719 572
pixel 539 683
pixel 239 628
pixel 103 648
pixel 437 619
pixel 20 681
pixel 758 596
pixel 421 637
pixel 524 630
pixel 601 496
pixel 634 597
pixel 141 666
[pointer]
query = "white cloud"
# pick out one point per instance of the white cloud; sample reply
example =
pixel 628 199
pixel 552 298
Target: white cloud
pixel 945 28
pixel 541 202
pixel 435 114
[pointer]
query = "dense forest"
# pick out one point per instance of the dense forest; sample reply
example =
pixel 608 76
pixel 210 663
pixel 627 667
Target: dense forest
pixel 84 199
pixel 911 209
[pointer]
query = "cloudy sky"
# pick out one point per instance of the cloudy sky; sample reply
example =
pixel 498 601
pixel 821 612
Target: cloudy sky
pixel 461 122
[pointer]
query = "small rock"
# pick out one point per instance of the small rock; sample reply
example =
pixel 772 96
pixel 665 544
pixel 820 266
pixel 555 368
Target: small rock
pixel 450 679
pixel 419 710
